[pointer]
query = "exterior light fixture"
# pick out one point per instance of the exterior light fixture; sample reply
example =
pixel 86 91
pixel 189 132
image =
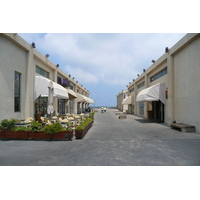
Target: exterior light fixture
pixel 137 74
pixel 57 65
pixel 33 44
pixel 166 49
pixel 153 61
pixel 47 55
pixel 133 79
pixel 73 78
pixel 144 70
pixel 69 75
pixel 129 82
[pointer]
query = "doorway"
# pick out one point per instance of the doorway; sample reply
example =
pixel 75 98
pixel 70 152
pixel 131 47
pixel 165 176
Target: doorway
pixel 61 106
pixel 158 111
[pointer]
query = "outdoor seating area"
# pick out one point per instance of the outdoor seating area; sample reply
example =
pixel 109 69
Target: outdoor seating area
pixel 59 127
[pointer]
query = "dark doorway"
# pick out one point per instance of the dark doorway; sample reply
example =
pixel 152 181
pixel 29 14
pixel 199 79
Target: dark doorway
pixel 158 111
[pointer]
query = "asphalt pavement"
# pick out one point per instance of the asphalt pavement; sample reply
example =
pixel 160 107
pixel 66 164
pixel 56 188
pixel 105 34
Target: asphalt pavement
pixel 111 141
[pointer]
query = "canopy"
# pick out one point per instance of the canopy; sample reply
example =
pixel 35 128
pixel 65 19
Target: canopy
pixel 153 93
pixel 127 100
pixel 81 98
pixel 90 101
pixel 41 88
pixel 72 94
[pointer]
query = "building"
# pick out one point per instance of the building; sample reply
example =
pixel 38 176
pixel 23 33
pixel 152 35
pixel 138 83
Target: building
pixel 169 89
pixel 24 73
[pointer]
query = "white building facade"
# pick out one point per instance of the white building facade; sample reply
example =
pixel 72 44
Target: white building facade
pixel 169 89
pixel 20 63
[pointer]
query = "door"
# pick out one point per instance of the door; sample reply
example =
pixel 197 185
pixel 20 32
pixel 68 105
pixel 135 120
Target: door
pixel 158 111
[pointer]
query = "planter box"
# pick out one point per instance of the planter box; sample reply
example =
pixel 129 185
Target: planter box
pixel 16 135
pixel 1 134
pixel 80 135
pixel 64 135
pixel 40 135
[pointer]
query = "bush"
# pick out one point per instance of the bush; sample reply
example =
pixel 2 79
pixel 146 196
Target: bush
pixel 21 128
pixel 54 128
pixel 35 126
pixel 7 124
pixel 92 114
pixel 84 124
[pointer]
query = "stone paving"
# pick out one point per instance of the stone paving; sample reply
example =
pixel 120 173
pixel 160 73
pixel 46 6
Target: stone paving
pixel 110 142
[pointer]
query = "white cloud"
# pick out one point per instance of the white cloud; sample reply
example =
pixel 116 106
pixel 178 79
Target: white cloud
pixel 81 75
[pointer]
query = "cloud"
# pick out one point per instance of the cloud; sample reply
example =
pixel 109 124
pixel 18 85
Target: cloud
pixel 81 75
pixel 100 61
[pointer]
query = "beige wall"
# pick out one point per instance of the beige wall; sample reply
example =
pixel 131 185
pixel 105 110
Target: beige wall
pixel 182 81
pixel 18 55
pixel 187 84
pixel 13 58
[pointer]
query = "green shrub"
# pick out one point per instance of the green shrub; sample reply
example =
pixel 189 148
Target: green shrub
pixel 54 128
pixel 7 124
pixel 21 128
pixel 92 114
pixel 80 128
pixel 35 126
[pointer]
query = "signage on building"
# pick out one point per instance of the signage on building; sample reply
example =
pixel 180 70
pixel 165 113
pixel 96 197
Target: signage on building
pixel 63 82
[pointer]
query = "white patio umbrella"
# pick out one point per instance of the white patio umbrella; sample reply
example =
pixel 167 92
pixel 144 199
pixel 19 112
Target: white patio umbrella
pixel 50 108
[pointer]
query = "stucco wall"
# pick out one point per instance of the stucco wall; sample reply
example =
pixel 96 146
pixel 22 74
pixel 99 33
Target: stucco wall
pixel 187 84
pixel 12 58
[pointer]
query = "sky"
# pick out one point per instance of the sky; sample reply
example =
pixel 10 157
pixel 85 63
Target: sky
pixel 104 63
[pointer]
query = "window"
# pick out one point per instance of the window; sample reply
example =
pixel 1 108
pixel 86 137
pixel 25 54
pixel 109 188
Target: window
pixel 71 87
pixel 17 92
pixel 42 72
pixel 158 75
pixel 132 90
pixel 141 85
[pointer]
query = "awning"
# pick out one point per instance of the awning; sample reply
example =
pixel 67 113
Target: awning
pixel 71 93
pixel 41 88
pixel 81 98
pixel 153 93
pixel 127 100
pixel 90 101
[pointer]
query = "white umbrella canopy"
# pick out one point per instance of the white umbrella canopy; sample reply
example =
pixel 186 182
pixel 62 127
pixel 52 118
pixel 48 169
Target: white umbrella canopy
pixel 50 108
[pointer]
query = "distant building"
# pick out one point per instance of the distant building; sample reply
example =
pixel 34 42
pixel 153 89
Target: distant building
pixel 169 89
pixel 22 93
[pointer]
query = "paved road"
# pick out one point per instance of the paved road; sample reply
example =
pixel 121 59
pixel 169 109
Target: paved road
pixel 110 142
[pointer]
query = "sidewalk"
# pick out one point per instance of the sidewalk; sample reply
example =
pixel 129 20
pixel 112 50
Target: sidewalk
pixel 109 142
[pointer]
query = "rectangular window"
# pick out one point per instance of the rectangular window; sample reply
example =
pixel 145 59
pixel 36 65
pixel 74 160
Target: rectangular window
pixel 42 72
pixel 132 90
pixel 158 75
pixel 17 92
pixel 141 85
